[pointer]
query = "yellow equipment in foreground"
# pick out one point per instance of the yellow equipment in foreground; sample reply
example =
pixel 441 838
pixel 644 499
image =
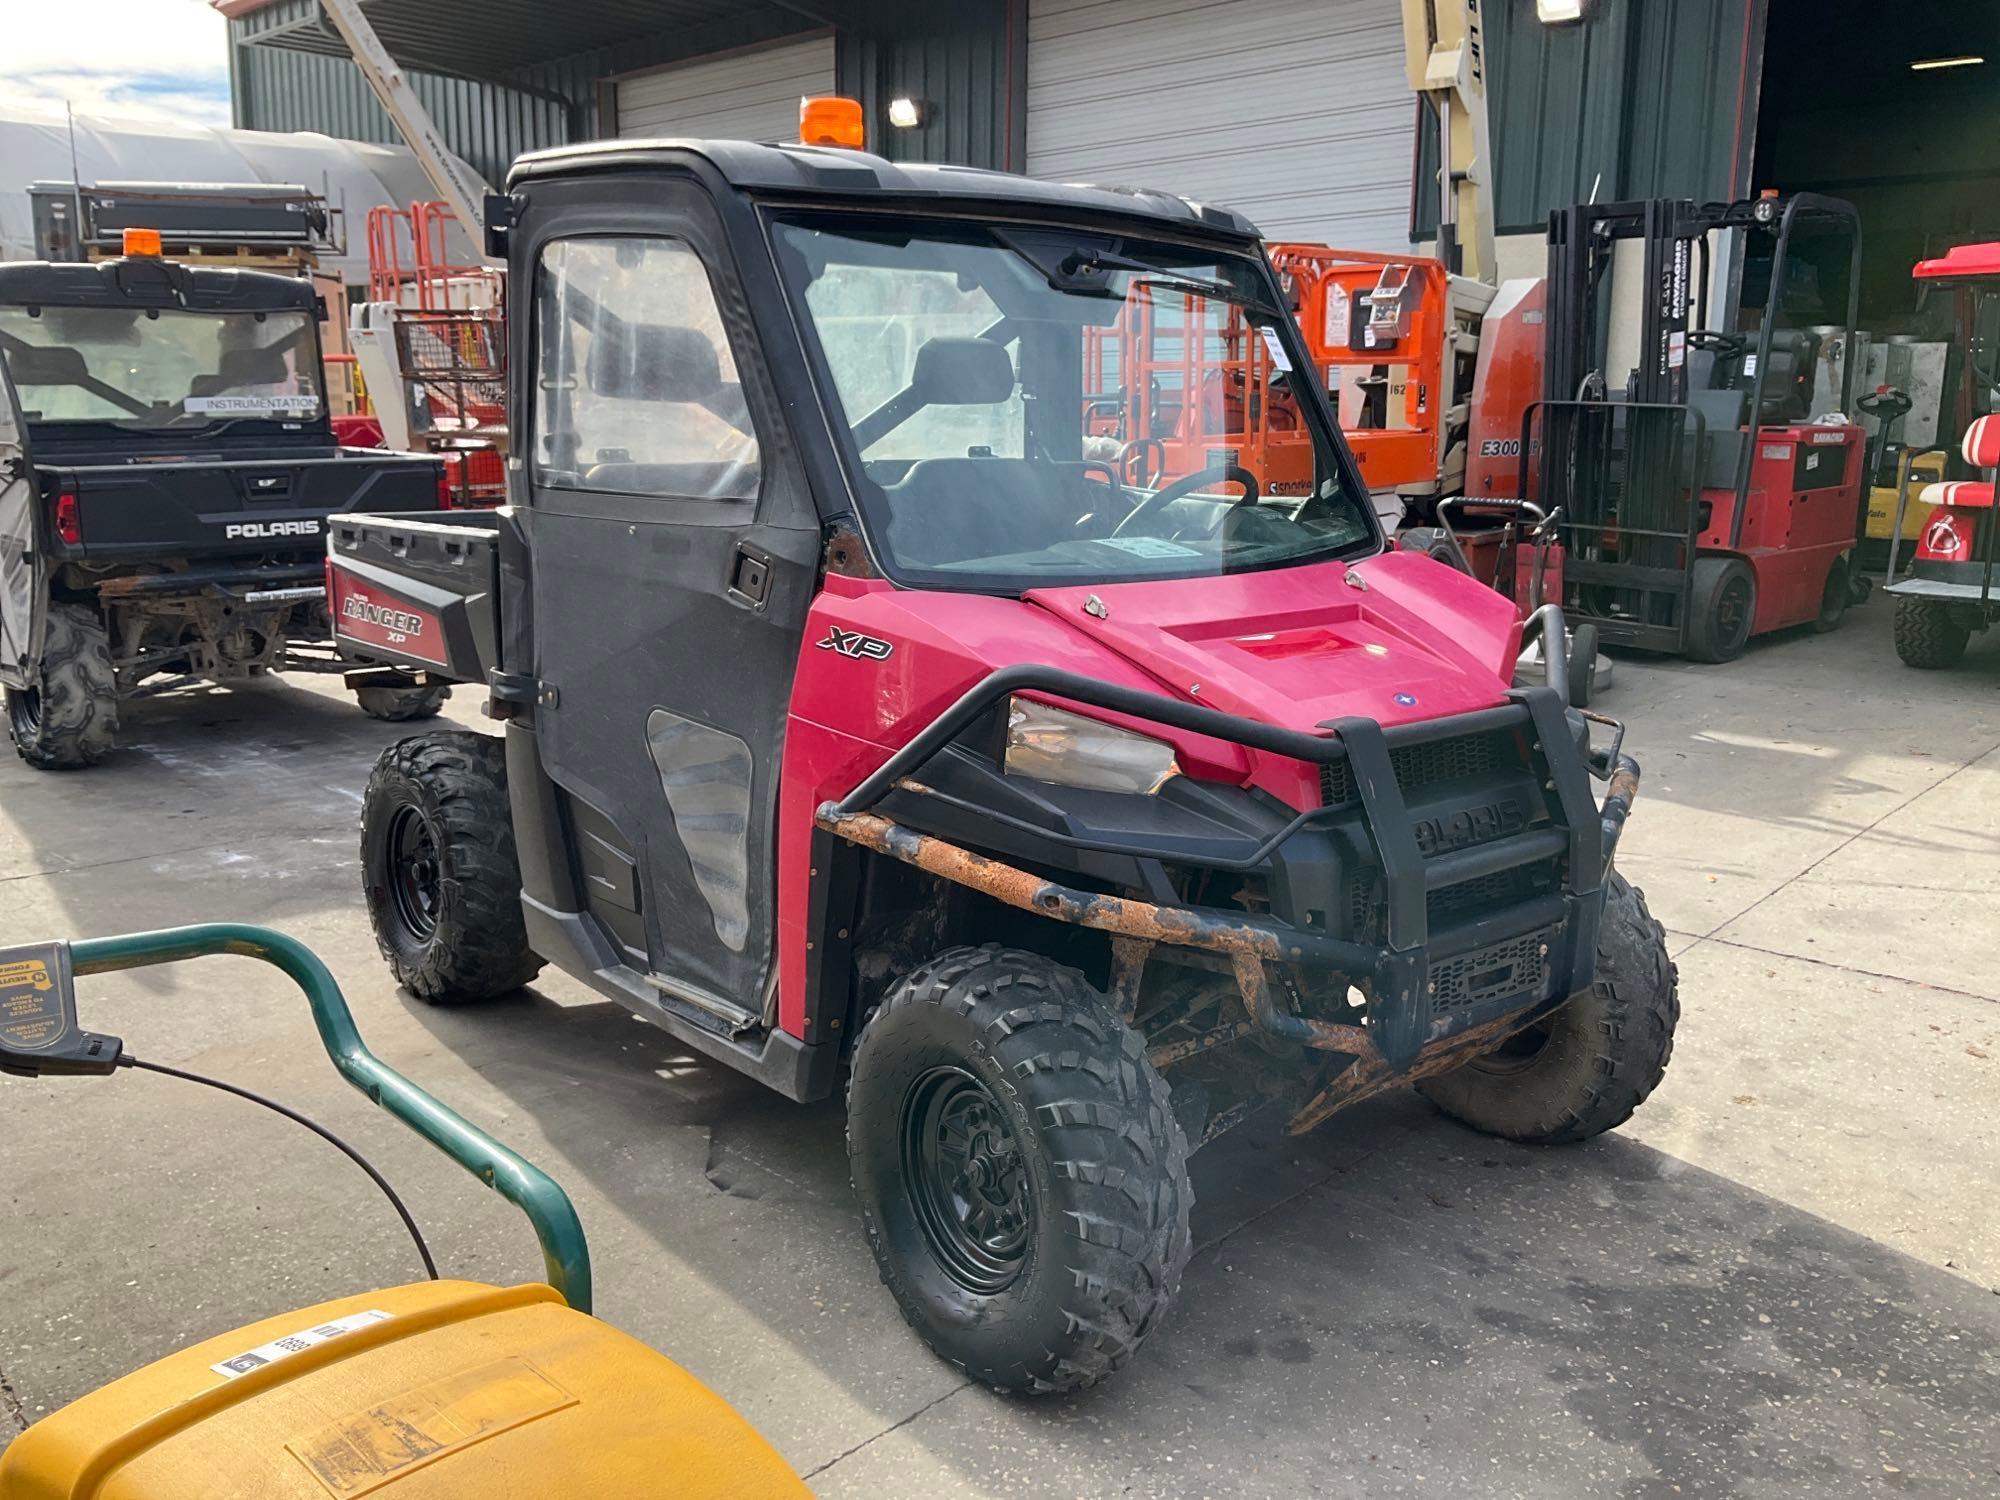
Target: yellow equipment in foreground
pixel 439 1390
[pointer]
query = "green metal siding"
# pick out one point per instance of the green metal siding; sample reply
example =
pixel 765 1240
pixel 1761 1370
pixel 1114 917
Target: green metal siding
pixel 486 124
pixel 969 63
pixel 1646 98
pixel 968 60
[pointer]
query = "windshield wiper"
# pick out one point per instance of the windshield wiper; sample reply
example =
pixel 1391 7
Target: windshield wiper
pixel 1147 274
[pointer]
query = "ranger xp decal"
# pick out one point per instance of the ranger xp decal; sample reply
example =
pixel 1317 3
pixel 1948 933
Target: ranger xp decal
pixel 370 618
pixel 854 643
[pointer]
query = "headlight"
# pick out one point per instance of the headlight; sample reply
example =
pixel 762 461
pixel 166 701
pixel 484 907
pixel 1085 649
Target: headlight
pixel 1051 744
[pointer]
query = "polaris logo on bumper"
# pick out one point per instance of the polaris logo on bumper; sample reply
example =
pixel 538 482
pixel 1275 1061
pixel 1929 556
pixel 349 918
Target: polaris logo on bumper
pixel 1472 825
pixel 256 529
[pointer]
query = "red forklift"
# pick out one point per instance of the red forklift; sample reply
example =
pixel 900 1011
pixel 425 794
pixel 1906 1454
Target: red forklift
pixel 1716 494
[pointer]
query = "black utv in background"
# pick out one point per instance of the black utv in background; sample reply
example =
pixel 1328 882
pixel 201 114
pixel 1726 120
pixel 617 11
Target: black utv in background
pixel 167 465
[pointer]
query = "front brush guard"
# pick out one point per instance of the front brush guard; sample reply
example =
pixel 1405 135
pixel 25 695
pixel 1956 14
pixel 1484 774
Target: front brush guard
pixel 1397 974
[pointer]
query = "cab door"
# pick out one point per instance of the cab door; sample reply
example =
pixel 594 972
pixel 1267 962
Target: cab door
pixel 23 598
pixel 674 549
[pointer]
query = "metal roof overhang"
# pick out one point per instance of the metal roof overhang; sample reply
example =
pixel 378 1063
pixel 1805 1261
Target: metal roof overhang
pixel 485 39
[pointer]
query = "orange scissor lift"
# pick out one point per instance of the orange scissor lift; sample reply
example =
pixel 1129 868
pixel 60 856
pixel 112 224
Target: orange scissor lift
pixel 449 320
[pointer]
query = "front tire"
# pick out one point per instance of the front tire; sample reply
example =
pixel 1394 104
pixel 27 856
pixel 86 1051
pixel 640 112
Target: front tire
pixel 1927 636
pixel 69 718
pixel 1721 608
pixel 438 863
pixel 1021 1176
pixel 1588 1066
pixel 402 705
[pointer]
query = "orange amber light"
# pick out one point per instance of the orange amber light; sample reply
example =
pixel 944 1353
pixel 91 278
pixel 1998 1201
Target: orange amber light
pixel 831 121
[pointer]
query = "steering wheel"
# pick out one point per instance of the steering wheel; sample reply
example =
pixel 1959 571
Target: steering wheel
pixel 1187 484
pixel 1151 461
pixel 1719 343
pixel 1886 404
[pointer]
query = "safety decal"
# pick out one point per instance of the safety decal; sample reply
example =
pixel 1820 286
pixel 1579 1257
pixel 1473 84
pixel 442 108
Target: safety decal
pixel 295 1343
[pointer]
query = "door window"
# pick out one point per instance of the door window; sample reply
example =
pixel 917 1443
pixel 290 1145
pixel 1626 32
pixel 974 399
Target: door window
pixel 636 392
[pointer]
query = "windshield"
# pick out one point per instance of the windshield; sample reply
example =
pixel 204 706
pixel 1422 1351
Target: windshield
pixel 160 368
pixel 1024 408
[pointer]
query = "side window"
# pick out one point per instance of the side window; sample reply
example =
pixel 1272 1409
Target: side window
pixel 636 392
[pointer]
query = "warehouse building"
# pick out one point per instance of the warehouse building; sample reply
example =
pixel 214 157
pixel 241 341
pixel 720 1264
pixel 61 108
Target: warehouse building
pixel 1298 114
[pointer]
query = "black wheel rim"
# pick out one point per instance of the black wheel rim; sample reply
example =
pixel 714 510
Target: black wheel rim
pixel 1732 611
pixel 968 1180
pixel 415 881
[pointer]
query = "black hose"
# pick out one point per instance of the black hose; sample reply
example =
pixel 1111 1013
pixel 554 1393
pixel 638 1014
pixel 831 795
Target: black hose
pixel 409 1223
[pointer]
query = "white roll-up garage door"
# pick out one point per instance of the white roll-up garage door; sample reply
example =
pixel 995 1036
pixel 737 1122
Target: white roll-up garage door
pixel 1294 112
pixel 751 95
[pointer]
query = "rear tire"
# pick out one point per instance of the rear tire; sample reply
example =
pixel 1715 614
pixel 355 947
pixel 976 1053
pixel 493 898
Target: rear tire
pixel 1021 1176
pixel 1721 609
pixel 438 865
pixel 1834 598
pixel 69 719
pixel 1927 637
pixel 1587 1067
pixel 402 705
pixel 1582 663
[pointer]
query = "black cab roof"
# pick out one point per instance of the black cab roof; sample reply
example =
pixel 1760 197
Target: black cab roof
pixel 828 172
pixel 147 282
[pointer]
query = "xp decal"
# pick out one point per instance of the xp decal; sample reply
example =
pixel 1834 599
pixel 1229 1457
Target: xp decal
pixel 854 643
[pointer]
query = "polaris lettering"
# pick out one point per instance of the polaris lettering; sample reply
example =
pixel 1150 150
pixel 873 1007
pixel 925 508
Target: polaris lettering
pixel 271 528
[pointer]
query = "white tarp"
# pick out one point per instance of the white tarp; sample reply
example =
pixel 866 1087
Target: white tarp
pixel 354 176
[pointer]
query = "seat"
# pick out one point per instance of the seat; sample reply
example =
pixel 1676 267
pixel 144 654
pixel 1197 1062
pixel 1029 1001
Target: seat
pixel 1981 444
pixel 1788 378
pixel 1722 414
pixel 1962 494
pixel 946 510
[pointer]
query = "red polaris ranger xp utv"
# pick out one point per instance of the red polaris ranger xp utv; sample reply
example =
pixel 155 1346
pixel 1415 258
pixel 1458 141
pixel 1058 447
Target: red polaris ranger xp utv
pixel 866 725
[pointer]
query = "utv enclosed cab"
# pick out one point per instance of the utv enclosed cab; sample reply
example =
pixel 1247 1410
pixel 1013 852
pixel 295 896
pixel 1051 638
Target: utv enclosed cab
pixel 865 713
pixel 169 465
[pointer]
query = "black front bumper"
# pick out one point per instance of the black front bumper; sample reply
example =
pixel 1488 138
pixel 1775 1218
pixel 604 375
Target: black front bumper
pixel 1483 885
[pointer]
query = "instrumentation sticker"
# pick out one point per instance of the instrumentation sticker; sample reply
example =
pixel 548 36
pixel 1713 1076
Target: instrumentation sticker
pixel 301 401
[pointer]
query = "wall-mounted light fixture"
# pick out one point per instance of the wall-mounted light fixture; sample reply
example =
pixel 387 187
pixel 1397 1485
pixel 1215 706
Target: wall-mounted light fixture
pixel 906 113
pixel 1929 64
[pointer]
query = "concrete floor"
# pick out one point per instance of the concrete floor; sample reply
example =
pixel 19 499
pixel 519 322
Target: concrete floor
pixel 1779 1279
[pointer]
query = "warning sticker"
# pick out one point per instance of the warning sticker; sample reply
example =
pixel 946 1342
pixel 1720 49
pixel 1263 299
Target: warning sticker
pixel 1275 347
pixel 294 1343
pixel 222 406
pixel 1149 546
pixel 1677 345
pixel 34 1015
pixel 368 1450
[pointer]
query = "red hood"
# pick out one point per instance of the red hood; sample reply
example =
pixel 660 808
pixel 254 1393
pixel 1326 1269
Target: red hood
pixel 1395 638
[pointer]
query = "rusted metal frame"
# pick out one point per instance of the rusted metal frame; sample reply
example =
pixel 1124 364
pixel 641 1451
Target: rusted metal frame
pixel 1618 800
pixel 1327 1036
pixel 1175 926
pixel 1128 968
pixel 1366 1077
pixel 1169 1053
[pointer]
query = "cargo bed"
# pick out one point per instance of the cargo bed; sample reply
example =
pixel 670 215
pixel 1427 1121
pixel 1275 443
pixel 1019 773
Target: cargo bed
pixel 418 591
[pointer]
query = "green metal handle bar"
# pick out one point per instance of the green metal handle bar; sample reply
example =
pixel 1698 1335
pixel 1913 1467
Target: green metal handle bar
pixel 521 1183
